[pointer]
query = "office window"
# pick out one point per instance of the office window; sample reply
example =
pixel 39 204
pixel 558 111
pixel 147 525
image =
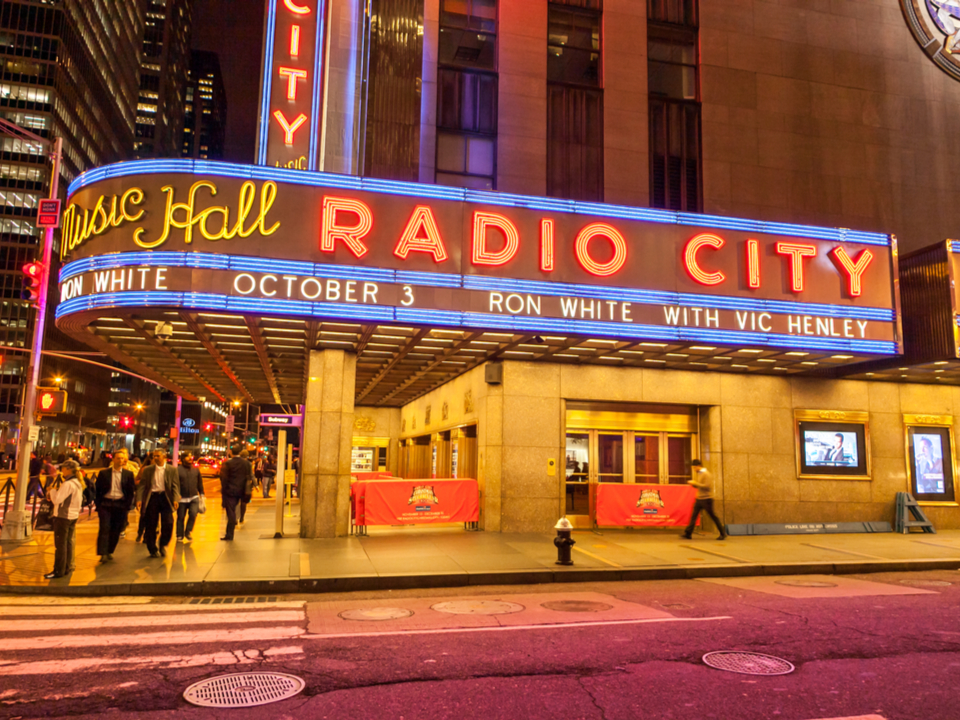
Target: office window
pixel 674 107
pixel 574 101
pixel 678 12
pixel 467 94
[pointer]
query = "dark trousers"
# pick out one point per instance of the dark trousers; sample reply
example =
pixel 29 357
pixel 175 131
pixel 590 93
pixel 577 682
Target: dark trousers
pixel 267 484
pixel 113 516
pixel 158 508
pixel 243 506
pixel 187 511
pixel 230 505
pixel 64 541
pixel 705 505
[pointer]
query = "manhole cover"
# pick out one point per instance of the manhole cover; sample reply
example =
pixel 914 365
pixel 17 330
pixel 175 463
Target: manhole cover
pixel 380 613
pixel 806 583
pixel 747 663
pixel 478 607
pixel 243 690
pixel 927 583
pixel 576 606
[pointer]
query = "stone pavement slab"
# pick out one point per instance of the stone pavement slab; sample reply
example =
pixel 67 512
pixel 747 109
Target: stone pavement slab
pixel 257 563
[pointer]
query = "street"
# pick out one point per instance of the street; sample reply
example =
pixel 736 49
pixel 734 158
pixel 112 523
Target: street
pixel 884 645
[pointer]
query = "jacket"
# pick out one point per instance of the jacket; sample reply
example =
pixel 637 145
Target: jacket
pixel 67 499
pixel 704 484
pixel 234 474
pixel 128 485
pixel 171 483
pixel 191 481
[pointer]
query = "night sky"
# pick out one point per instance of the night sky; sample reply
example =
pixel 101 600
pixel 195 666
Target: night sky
pixel 234 30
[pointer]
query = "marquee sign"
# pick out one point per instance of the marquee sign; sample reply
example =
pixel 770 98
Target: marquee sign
pixel 216 237
pixel 290 90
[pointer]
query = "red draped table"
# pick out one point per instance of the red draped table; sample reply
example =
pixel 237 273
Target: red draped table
pixel 414 502
pixel 644 505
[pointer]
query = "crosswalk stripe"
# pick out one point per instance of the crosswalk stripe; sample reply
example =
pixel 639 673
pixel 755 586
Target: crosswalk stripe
pixel 56 667
pixel 52 642
pixel 107 623
pixel 20 611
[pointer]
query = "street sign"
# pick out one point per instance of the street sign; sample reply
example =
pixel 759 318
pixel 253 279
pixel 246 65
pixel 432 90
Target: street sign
pixel 34 433
pixel 51 402
pixel 270 420
pixel 289 477
pixel 48 214
pixel 230 423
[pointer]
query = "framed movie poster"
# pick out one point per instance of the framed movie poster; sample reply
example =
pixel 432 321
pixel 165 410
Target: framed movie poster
pixel 832 444
pixel 930 459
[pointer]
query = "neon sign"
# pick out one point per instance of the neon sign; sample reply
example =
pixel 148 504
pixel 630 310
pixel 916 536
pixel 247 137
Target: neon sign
pixel 291 85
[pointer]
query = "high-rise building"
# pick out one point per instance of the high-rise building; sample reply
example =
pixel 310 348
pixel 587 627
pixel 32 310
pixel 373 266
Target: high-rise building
pixel 163 77
pixel 69 70
pixel 205 110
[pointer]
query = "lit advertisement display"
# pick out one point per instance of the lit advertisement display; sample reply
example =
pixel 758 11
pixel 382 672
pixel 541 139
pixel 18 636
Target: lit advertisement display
pixel 291 84
pixel 930 456
pixel 218 237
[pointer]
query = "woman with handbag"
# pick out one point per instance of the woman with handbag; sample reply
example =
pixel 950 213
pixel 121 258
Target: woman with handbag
pixel 67 500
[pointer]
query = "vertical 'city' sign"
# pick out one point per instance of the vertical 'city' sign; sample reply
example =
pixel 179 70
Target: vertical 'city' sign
pixel 289 131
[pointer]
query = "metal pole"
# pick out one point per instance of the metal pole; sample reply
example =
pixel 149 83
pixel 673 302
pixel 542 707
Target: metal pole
pixel 176 438
pixel 278 491
pixel 16 523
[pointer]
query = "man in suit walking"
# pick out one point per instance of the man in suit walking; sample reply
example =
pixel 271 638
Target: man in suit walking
pixel 115 489
pixel 158 496
pixel 234 478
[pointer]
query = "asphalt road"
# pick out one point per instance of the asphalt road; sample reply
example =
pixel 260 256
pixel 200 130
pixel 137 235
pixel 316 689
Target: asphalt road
pixel 622 650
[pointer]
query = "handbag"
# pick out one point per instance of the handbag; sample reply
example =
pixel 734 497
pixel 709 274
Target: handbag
pixel 202 505
pixel 44 519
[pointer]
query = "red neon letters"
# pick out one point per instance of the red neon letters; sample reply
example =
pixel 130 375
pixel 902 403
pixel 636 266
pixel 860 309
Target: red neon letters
pixel 853 268
pixel 753 264
pixel 350 235
pixel 690 259
pixel 421 235
pixel 797 252
pixel 292 75
pixel 546 245
pixel 582 249
pixel 294 8
pixel 289 128
pixel 480 254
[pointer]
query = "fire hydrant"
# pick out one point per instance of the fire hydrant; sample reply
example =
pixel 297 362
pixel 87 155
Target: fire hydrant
pixel 563 541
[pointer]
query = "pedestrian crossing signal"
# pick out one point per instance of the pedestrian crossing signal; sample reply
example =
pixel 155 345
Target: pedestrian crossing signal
pixel 51 402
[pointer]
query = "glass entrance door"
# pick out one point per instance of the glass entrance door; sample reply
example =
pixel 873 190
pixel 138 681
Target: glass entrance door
pixel 601 456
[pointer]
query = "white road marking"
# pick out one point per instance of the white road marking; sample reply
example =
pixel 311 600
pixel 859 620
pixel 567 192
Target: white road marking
pixel 54 667
pixel 146 639
pixel 109 689
pixel 18 611
pixel 34 601
pixel 859 717
pixel 503 628
pixel 107 623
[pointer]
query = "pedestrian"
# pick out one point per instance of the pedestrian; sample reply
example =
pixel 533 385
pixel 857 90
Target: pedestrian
pixel 115 489
pixel 35 468
pixel 191 490
pixel 258 470
pixel 269 474
pixel 49 470
pixel 67 499
pixel 248 493
pixel 158 496
pixel 703 482
pixel 234 475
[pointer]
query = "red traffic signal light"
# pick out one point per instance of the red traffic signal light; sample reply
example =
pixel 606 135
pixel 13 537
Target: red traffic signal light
pixel 32 277
pixel 126 421
pixel 208 426
pixel 51 402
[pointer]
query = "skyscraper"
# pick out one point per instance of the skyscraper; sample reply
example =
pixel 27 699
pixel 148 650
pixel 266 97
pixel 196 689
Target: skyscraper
pixel 69 70
pixel 163 77
pixel 205 110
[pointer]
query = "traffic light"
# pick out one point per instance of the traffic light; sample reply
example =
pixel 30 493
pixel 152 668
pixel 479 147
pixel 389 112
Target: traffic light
pixel 51 402
pixel 32 275
pixel 126 421
pixel 208 427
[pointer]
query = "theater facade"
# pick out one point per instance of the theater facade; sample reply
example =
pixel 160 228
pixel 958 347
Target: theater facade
pixel 564 248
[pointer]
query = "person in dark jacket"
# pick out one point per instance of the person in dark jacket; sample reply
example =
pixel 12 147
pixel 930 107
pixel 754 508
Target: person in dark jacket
pixel 191 490
pixel 158 494
pixel 269 474
pixel 114 491
pixel 248 495
pixel 234 474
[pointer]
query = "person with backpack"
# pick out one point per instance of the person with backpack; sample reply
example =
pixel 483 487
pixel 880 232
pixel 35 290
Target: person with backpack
pixel 67 499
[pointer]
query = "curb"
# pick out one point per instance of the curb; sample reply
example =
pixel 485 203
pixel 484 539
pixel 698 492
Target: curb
pixel 368 583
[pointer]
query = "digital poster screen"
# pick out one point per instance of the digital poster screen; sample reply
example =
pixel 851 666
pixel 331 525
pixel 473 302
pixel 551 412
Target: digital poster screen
pixel 833 449
pixel 931 463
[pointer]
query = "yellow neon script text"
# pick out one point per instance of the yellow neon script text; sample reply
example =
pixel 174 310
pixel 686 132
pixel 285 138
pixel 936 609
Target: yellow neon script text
pixel 192 219
pixel 78 229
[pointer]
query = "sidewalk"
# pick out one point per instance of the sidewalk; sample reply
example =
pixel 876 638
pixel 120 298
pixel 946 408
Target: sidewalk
pixel 395 558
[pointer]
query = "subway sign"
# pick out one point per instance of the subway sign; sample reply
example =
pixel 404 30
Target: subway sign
pixel 215 237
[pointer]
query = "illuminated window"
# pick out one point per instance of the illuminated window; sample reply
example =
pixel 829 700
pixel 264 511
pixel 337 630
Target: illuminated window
pixel 468 33
pixel 674 106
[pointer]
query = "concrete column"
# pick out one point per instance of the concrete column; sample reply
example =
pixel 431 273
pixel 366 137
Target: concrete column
pixel 327 441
